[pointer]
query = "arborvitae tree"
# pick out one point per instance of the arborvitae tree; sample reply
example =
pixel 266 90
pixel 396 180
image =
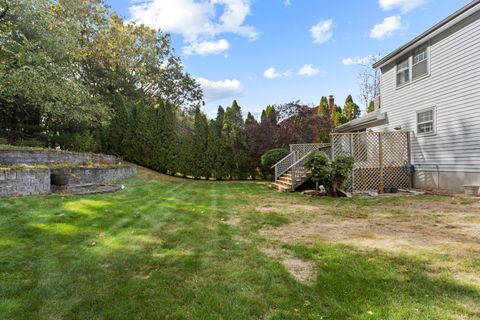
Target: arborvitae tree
pixel 271 114
pixel 168 136
pixel 250 120
pixel 129 140
pixel 161 126
pixel 338 116
pixel 263 117
pixel 351 110
pixel 371 106
pixel 182 152
pixel 217 146
pixel 325 121
pixel 118 127
pixel 199 164
pixel 212 149
pixel 234 131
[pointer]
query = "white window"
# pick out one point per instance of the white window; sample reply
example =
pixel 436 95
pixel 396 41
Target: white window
pixel 420 63
pixel 403 72
pixel 426 121
pixel 413 67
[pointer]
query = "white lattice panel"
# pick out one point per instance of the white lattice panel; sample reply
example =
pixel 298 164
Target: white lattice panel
pixel 381 159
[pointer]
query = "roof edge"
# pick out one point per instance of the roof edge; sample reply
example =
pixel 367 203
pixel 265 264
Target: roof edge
pixel 366 120
pixel 425 34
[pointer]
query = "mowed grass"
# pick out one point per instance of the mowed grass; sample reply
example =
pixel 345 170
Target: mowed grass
pixel 192 250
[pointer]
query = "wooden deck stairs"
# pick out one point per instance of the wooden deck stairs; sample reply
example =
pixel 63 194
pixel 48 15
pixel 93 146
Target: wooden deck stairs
pixel 290 172
pixel 284 182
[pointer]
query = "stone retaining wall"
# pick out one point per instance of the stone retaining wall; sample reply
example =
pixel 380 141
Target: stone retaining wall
pixel 13 157
pixel 22 182
pixel 99 176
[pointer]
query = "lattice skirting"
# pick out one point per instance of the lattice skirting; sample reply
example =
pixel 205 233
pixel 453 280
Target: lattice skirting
pixel 366 179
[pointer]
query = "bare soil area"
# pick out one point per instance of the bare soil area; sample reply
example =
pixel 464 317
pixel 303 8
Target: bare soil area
pixel 446 230
pixel 302 270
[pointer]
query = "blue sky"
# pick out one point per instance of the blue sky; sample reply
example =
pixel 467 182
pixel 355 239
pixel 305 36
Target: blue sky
pixel 262 52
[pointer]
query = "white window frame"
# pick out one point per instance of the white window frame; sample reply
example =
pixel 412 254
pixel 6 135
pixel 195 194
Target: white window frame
pixel 409 68
pixel 410 65
pixel 427 58
pixel 433 121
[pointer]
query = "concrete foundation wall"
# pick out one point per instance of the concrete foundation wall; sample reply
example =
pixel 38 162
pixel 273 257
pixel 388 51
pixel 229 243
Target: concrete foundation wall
pixel 13 157
pixel 446 180
pixel 24 182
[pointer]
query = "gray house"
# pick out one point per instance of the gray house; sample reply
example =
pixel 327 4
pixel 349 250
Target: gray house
pixel 431 87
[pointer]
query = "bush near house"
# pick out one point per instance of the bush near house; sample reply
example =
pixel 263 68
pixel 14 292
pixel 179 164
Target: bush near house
pixel 331 174
pixel 270 158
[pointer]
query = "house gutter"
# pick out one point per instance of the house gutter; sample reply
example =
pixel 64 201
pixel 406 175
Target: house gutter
pixel 459 15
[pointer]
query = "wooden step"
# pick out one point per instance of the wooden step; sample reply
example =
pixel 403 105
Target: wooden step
pixel 285 179
pixel 280 187
pixel 283 183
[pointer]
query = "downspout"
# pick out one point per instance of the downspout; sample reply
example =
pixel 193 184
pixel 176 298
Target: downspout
pixel 438 177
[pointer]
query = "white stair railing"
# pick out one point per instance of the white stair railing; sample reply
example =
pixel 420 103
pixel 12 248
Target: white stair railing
pixel 295 161
pixel 304 148
pixel 299 173
pixel 284 165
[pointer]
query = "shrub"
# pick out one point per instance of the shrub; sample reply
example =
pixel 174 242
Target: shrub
pixel 331 174
pixel 84 142
pixel 270 158
pixel 33 143
pixel 3 140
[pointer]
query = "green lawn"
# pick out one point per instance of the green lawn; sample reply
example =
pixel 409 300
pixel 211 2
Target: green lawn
pixel 195 250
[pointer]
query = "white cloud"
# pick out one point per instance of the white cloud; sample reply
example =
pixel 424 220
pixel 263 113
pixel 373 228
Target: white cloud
pixel 387 28
pixel 271 73
pixel 321 32
pixel 404 5
pixel 205 48
pixel 287 3
pixel 360 60
pixel 218 90
pixel 308 70
pixel 197 21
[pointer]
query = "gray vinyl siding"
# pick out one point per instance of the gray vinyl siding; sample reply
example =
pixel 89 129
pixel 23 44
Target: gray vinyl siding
pixel 453 88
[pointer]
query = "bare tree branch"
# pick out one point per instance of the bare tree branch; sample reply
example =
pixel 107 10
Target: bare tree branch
pixel 369 82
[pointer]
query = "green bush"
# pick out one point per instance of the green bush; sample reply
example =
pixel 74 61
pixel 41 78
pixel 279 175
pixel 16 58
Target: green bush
pixel 33 143
pixel 270 158
pixel 3 140
pixel 84 142
pixel 331 174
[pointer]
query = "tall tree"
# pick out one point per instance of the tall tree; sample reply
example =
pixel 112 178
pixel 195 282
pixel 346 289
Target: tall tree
pixel 351 110
pixel 234 132
pixel 217 146
pixel 199 160
pixel 325 120
pixel 65 62
pixel 250 120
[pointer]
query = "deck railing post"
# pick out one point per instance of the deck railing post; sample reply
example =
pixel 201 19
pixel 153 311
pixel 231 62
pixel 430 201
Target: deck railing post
pixel 293 178
pixel 380 149
pixel 409 155
pixel 352 154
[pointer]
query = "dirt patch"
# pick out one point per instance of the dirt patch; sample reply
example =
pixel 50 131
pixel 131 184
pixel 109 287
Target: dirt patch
pixel 420 228
pixel 301 270
pixel 233 221
pixel 391 234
